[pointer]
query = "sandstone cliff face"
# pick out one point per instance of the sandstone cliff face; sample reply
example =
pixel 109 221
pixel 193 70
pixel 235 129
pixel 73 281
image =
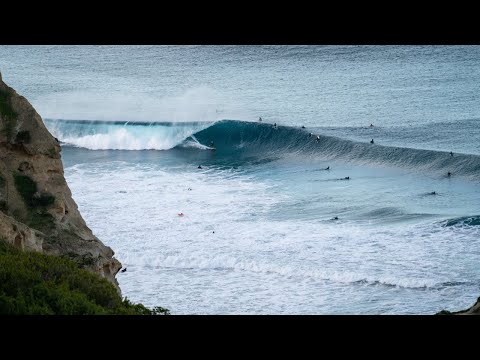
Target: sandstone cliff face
pixel 37 211
pixel 474 310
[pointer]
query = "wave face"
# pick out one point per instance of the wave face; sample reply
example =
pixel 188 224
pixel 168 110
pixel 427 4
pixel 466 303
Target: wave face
pixel 237 140
pixel 264 139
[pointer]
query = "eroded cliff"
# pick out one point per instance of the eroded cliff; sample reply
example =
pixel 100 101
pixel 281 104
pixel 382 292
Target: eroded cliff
pixel 37 211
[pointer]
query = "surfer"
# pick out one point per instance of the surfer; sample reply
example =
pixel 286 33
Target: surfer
pixel 345 178
pixel 199 167
pixel 303 127
pixel 318 138
pixel 327 168
pixel 212 144
pixel 275 125
pixel 260 119
pixel 449 174
pixel 180 214
pixel 433 193
pixel 189 189
pixel 310 135
pixel 125 269
pixel 335 218
pixel 371 125
pixel 451 153
pixel 372 142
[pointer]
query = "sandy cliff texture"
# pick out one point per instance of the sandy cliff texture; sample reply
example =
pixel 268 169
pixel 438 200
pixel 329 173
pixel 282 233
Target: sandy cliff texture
pixel 37 211
pixel 474 310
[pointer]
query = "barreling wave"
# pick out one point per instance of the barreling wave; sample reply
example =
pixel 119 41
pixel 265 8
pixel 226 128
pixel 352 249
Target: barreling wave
pixel 254 140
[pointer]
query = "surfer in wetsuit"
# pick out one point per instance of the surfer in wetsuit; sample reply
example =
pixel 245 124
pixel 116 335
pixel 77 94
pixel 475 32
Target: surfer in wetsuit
pixel 371 125
pixel 199 167
pixel 327 168
pixel 310 135
pixel 449 174
pixel 212 144
pixel 372 142
pixel 303 127
pixel 335 218
pixel 318 138
pixel 433 193
pixel 260 119
pixel 275 125
pixel 451 153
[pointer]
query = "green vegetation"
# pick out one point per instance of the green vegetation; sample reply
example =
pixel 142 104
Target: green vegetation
pixel 23 137
pixel 80 260
pixel 44 200
pixel 38 218
pixel 7 113
pixel 52 152
pixel 35 284
pixel 27 188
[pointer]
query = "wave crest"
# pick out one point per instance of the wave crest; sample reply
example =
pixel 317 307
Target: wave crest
pixel 255 141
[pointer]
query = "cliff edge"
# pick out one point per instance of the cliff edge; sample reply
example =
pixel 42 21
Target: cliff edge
pixel 37 211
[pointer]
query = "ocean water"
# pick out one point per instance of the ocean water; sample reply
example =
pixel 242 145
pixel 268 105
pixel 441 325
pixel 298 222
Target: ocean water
pixel 259 234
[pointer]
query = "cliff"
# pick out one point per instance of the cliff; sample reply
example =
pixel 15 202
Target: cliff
pixel 473 310
pixel 37 211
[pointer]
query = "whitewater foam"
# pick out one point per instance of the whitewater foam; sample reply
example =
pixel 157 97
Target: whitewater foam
pixel 104 135
pixel 229 243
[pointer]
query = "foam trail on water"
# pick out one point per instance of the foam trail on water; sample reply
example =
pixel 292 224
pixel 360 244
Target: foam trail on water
pixel 232 241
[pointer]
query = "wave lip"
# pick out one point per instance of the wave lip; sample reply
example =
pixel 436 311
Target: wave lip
pixel 124 135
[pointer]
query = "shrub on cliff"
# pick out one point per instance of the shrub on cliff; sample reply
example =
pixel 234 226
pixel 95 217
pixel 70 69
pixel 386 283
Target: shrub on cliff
pixel 33 283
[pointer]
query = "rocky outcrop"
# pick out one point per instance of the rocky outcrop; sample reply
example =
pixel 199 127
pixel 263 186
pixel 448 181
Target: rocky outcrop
pixel 37 211
pixel 473 310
